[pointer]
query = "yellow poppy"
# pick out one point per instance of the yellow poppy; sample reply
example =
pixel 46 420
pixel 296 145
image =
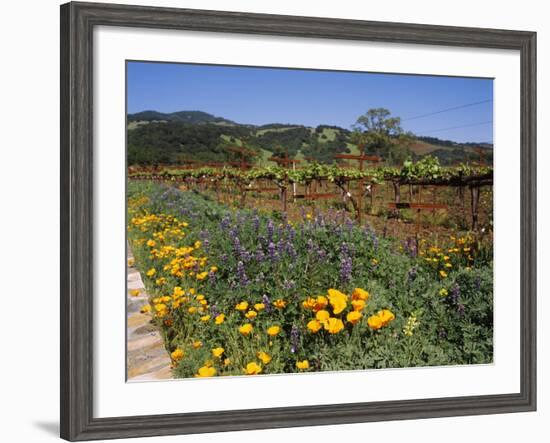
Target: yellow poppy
pixel 338 300
pixel 242 306
pixel 246 329
pixel 252 368
pixel 359 294
pixel 272 331
pixel 322 315
pixel 279 303
pixel 178 354
pixel 353 317
pixel 334 325
pixel 386 316
pixel 264 357
pixel 374 322
pixel 217 352
pixel 206 371
pixel 304 364
pixel 314 325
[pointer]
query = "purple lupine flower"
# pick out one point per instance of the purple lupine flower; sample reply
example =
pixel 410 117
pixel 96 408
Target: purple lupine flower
pixel 321 254
pixel 239 251
pixel 256 223
pixel 460 309
pixel 260 256
pixel 291 251
pixel 241 274
pixel 310 245
pixel 409 246
pixel 204 237
pixel 346 267
pixel 289 284
pixel 240 218
pixel 374 241
pixel 233 233
pixel 270 229
pixel 291 233
pixel 271 251
pixel 281 247
pixel 267 303
pixel 442 333
pixel 212 277
pixel 367 230
pixel 455 294
pixel 278 232
pixel 294 339
pixel 236 241
pixel 303 230
pixel 344 248
pixel 225 223
pixel 214 311
pixel 319 221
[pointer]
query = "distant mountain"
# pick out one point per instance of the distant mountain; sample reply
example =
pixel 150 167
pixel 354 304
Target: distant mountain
pixel 450 143
pixel 156 137
pixel 190 117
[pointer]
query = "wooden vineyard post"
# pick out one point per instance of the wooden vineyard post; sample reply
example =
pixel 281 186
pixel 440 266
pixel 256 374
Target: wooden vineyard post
pixel 285 162
pixel 242 190
pixel 217 190
pixel 372 189
pixel 461 202
pixel 358 204
pixel 474 192
pixel 397 196
pixel 283 198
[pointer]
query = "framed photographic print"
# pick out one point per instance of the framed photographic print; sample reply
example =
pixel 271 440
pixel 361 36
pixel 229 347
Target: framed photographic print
pixel 335 217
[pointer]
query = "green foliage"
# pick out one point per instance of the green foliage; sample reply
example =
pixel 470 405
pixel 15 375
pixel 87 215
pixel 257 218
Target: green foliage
pixel 424 170
pixel 382 135
pixel 165 143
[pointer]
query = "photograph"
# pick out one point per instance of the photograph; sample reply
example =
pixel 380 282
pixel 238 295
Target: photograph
pixel 289 221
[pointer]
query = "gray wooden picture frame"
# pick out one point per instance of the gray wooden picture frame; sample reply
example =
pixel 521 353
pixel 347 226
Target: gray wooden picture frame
pixel 77 214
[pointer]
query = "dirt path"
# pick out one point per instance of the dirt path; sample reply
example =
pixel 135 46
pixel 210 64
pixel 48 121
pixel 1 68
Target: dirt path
pixel 147 358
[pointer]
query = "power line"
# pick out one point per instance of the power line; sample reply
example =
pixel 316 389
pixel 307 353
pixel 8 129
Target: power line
pixel 467 105
pixel 458 127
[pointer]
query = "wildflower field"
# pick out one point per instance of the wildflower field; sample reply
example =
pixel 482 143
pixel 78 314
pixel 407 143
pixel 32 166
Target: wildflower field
pixel 239 291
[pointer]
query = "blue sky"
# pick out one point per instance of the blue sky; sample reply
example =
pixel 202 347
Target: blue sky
pixel 268 95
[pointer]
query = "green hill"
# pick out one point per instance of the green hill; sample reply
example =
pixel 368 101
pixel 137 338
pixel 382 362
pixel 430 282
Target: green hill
pixel 156 137
pixel 190 117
